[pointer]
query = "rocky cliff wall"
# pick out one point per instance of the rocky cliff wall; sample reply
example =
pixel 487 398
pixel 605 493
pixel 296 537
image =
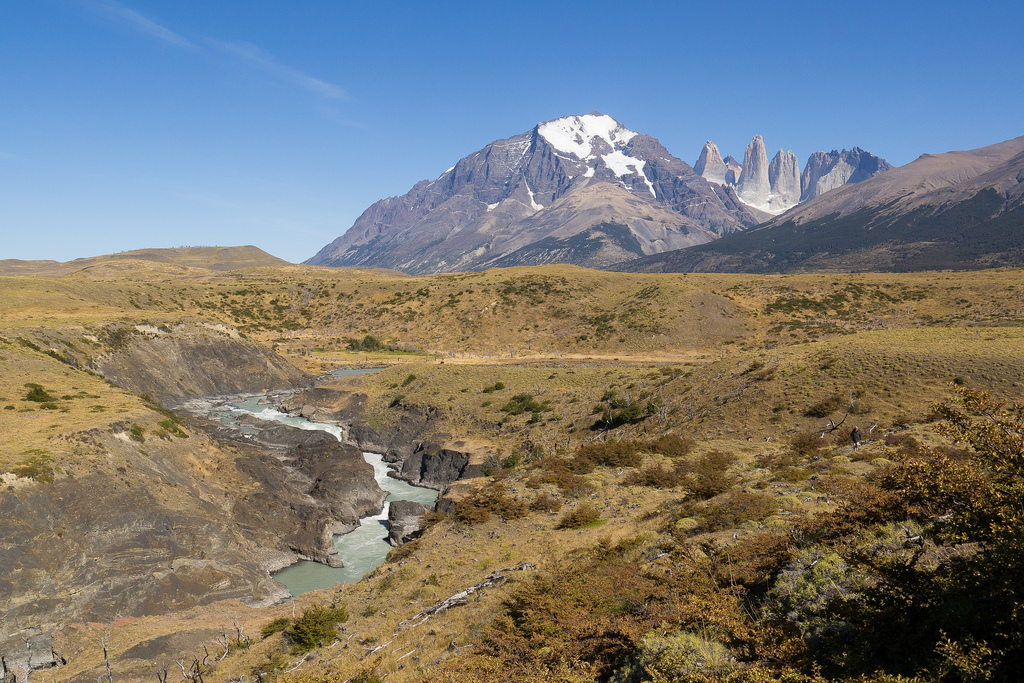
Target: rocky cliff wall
pixel 195 359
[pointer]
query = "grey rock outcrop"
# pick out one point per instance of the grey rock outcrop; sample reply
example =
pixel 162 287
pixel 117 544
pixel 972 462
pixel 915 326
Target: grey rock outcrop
pixel 194 360
pixel 432 466
pixel 19 658
pixel 733 168
pixel 710 165
pixel 405 518
pixel 784 179
pixel 316 490
pixel 141 539
pixel 753 187
pixel 826 171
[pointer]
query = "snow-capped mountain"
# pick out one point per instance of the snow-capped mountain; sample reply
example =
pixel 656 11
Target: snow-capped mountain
pixel 578 189
pixel 778 186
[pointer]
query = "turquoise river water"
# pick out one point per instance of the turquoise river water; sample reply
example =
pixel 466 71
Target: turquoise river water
pixel 362 550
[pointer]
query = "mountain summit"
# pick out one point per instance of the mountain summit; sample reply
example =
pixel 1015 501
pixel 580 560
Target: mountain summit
pixel 955 210
pixel 778 186
pixel 583 189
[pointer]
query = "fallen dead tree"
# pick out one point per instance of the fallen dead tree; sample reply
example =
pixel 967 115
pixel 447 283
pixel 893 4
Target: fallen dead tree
pixel 495 578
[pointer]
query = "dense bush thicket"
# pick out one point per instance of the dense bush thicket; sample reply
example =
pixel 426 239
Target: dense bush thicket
pixel 913 577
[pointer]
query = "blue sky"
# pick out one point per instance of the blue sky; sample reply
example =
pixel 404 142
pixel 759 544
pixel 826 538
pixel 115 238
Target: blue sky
pixel 160 123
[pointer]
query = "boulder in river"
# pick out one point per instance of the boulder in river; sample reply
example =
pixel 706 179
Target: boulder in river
pixel 405 519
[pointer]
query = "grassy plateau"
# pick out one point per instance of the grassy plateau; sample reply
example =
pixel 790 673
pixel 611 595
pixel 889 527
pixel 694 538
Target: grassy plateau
pixel 668 490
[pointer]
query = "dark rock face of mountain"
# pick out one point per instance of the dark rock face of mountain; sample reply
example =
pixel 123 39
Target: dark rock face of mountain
pixel 958 210
pixel 556 181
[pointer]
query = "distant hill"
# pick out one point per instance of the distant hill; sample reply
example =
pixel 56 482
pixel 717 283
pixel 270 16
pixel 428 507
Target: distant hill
pixel 211 258
pixel 958 210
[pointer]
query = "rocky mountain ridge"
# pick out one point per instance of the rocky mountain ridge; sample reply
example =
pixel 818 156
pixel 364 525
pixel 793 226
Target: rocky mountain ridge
pixel 583 190
pixel 960 209
pixel 563 181
pixel 777 186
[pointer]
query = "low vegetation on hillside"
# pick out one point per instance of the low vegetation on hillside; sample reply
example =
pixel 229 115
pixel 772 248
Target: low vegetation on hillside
pixel 666 489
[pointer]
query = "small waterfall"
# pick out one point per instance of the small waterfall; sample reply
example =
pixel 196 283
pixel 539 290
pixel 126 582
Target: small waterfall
pixel 363 549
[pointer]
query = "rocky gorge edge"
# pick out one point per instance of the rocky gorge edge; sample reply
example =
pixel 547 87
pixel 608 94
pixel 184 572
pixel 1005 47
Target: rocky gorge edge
pixel 162 526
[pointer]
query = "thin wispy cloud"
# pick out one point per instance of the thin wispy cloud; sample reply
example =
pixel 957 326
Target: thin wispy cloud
pixel 259 58
pixel 7 156
pixel 144 24
pixel 251 55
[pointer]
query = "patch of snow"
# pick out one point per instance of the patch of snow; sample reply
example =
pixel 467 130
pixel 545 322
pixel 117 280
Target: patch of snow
pixel 492 207
pixel 768 206
pixel 573 134
pixel 589 173
pixel 620 164
pixel 533 204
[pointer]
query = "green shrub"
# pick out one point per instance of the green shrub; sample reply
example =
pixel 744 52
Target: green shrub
pixel 37 467
pixel 367 343
pixel 29 345
pixel 135 433
pixel 37 394
pixel 119 338
pixel 679 656
pixel 316 627
pixel 521 403
pixel 173 427
pixel 276 626
pixel 409 380
pixel 497 386
pixel 585 514
pixel 806 593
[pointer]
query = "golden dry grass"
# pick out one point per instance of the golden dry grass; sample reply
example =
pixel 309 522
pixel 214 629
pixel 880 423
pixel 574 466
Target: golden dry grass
pixel 733 361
